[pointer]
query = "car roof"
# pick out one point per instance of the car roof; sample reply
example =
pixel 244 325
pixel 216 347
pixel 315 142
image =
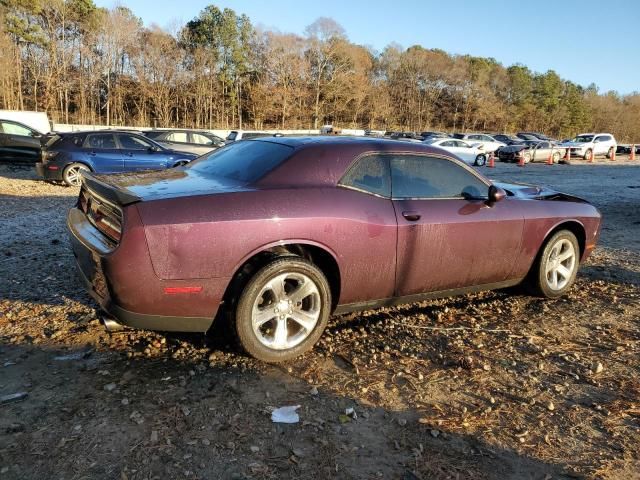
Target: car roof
pixel 322 160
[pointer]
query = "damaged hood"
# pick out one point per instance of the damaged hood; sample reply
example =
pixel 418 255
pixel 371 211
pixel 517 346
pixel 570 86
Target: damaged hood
pixel 535 192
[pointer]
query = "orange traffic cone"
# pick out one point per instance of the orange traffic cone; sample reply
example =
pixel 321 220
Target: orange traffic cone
pixel 492 161
pixel 521 158
pixel 591 155
pixel 613 154
pixel 633 153
pixel 550 158
pixel 567 155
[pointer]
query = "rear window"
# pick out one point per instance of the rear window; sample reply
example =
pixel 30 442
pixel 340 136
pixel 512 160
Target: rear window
pixel 243 161
pixel 232 136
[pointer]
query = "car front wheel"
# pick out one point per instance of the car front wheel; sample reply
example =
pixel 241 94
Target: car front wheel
pixel 480 160
pixel 72 174
pixel 557 265
pixel 283 310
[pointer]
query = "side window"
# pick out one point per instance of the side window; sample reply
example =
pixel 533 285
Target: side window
pixel 417 176
pixel 200 139
pixel 450 143
pixel 15 129
pixel 462 144
pixel 475 137
pixel 371 174
pixel 129 142
pixel 100 141
pixel 180 137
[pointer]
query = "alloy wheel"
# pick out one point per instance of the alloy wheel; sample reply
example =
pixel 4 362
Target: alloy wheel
pixel 286 311
pixel 72 174
pixel 560 264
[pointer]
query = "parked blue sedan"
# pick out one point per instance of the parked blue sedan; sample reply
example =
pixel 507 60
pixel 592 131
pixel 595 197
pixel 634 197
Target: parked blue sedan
pixel 66 155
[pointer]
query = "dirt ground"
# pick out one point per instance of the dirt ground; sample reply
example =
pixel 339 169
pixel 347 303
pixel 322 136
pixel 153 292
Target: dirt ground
pixel 497 385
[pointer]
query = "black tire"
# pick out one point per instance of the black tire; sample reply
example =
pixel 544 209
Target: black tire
pixel 180 163
pixel 70 174
pixel 480 160
pixel 252 295
pixel 587 154
pixel 539 282
pixel 556 157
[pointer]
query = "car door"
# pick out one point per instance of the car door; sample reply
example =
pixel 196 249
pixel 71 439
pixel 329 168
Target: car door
pixel 601 145
pixel 465 151
pixel 102 153
pixel 540 152
pixel 19 142
pixel 140 154
pixel 449 235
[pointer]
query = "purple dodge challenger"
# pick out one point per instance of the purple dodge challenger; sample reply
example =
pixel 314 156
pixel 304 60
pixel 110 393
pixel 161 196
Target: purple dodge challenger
pixel 279 233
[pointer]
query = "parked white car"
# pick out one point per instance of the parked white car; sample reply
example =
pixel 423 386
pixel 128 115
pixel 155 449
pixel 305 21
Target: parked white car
pixel 471 154
pixel 489 144
pixel 586 144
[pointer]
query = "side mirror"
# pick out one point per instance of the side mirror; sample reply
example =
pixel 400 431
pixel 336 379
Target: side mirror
pixel 496 194
pixel 153 148
pixel 36 135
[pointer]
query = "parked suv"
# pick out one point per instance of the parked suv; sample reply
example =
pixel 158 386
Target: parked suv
pixel 587 144
pixel 66 155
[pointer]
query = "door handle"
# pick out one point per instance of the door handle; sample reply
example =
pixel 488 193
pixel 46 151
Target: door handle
pixel 92 154
pixel 411 216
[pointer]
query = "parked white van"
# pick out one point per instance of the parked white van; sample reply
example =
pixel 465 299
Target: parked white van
pixel 37 120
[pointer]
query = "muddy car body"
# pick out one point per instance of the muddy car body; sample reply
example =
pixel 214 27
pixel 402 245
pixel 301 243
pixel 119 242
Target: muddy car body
pixel 281 232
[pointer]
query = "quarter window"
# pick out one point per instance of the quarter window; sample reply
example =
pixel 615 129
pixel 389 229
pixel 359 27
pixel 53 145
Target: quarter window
pixel 371 174
pixel 102 141
pixel 418 176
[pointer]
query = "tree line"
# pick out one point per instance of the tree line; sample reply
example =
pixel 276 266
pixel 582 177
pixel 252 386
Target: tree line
pixel 88 65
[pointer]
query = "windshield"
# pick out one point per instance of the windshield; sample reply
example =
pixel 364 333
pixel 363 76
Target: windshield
pixel 583 138
pixel 244 161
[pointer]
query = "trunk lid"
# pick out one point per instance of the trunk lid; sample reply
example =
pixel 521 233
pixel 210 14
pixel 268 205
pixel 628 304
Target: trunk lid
pixel 128 188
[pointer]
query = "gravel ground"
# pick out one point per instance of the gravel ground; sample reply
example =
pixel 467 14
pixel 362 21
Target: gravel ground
pixel 497 385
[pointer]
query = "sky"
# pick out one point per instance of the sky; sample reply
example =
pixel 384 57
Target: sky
pixel 583 41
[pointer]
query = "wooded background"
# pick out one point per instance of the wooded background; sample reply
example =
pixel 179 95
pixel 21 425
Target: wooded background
pixel 87 65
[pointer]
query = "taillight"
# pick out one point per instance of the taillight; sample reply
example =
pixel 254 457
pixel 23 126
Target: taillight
pixel 106 217
pixel 47 155
pixel 109 226
pixel 82 200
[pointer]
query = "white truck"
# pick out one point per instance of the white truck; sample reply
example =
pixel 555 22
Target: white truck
pixel 37 120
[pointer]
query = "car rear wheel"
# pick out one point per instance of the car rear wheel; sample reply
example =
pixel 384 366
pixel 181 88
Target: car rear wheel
pixel 480 160
pixel 556 157
pixel 610 153
pixel 557 265
pixel 283 310
pixel 587 154
pixel 71 174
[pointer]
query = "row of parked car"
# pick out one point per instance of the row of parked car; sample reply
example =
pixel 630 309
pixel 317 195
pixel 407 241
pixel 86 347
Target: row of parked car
pixel 63 156
pixel 26 137
pixel 474 148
